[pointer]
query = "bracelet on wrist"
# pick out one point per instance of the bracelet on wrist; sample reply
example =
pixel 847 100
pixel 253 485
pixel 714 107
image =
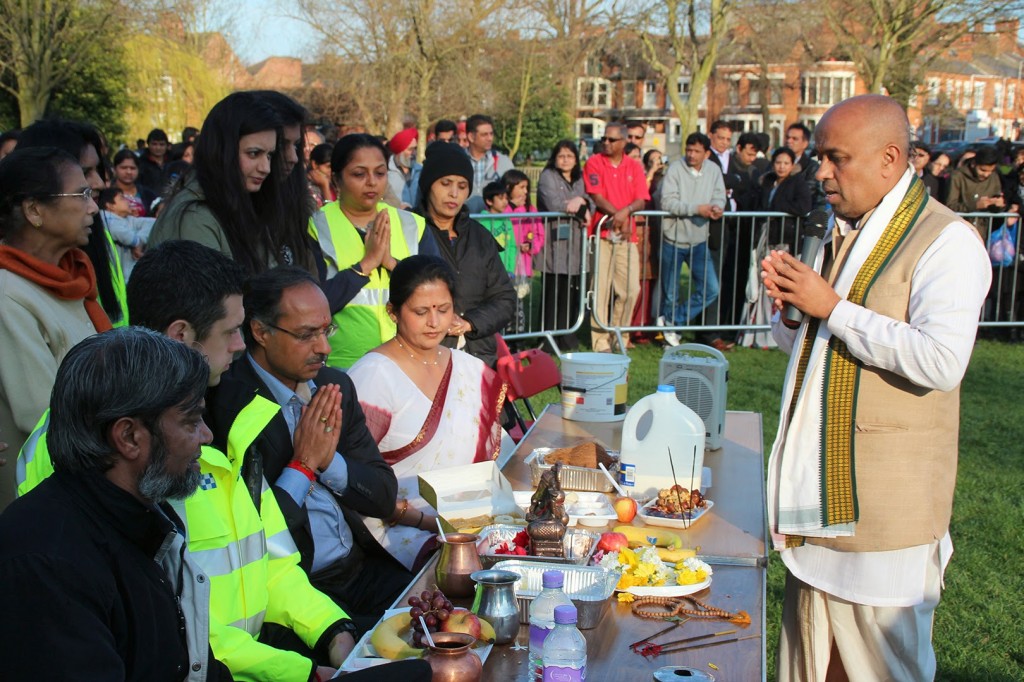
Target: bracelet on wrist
pixel 398 516
pixel 355 269
pixel 302 469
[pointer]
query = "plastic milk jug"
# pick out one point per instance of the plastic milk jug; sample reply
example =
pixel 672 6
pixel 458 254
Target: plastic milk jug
pixel 655 426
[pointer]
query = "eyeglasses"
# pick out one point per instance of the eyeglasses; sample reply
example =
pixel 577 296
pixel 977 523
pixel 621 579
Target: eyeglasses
pixel 611 139
pixel 307 337
pixel 86 194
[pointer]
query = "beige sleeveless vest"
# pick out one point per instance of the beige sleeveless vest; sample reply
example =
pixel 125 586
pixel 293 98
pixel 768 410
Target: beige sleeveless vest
pixel 906 436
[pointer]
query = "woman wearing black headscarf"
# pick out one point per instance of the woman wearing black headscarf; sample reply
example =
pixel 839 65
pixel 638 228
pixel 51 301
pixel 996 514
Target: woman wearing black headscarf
pixel 484 298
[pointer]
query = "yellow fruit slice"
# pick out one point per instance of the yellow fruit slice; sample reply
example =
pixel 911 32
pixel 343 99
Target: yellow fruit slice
pixel 387 639
pixel 675 555
pixel 642 537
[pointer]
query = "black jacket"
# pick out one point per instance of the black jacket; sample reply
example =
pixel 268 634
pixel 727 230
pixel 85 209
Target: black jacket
pixel 792 196
pixel 372 486
pixel 81 595
pixel 483 290
pixel 151 175
pixel 739 183
pixel 808 170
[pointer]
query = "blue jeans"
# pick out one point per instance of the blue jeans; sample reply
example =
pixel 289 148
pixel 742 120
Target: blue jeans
pixel 703 281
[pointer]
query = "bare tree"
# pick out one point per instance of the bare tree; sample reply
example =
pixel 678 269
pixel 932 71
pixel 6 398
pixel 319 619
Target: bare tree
pixel 767 33
pixel 38 38
pixel 444 31
pixel 398 50
pixel 574 31
pixel 684 37
pixel 893 42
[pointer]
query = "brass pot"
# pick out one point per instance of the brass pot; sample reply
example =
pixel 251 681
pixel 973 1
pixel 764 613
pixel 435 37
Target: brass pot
pixel 458 560
pixel 451 660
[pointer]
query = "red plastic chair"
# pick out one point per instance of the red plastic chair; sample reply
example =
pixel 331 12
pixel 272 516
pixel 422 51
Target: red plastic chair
pixel 526 373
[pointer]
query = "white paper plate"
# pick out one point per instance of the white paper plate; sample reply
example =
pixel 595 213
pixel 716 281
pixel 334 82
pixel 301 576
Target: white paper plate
pixel 363 655
pixel 669 590
pixel 652 520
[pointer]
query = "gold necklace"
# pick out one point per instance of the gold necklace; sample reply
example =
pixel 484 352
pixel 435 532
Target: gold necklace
pixel 437 360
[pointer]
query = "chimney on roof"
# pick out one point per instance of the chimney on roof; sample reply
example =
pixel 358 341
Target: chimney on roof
pixel 1006 35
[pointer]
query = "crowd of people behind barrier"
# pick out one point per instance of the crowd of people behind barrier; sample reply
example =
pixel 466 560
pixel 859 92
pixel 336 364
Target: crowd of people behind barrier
pixel 358 256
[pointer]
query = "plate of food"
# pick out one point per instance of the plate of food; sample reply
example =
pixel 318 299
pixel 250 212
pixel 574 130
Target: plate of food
pixel 579 466
pixel 675 507
pixel 643 573
pixel 394 638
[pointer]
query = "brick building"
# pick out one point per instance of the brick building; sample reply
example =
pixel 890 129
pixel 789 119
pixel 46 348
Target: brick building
pixel 973 91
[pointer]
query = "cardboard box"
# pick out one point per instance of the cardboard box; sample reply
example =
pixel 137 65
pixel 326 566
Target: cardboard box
pixel 467 492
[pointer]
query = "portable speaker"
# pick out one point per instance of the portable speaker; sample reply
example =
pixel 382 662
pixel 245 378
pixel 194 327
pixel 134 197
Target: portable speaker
pixel 700 376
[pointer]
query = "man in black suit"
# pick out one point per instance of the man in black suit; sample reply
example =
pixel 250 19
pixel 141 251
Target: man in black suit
pixel 316 452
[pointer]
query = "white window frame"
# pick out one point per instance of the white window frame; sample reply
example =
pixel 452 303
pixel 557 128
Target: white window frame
pixel 979 94
pixel 593 93
pixel 650 95
pixel 839 86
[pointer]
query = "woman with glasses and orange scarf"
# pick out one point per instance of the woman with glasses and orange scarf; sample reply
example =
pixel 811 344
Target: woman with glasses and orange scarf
pixel 47 284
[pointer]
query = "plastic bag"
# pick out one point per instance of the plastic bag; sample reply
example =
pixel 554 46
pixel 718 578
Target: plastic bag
pixel 1002 246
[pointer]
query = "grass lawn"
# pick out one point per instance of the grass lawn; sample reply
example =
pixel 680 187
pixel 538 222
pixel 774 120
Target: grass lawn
pixel 977 635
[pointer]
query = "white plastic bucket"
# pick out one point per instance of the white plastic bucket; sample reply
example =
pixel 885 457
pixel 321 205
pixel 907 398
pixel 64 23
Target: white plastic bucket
pixel 594 386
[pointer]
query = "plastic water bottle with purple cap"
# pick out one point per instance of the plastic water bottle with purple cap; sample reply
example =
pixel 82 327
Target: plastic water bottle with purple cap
pixel 542 618
pixel 565 649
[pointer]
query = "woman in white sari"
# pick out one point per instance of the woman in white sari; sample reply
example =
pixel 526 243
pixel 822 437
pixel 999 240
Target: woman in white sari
pixel 428 407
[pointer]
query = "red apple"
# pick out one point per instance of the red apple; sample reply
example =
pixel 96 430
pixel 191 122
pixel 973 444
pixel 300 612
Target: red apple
pixel 461 620
pixel 612 542
pixel 625 509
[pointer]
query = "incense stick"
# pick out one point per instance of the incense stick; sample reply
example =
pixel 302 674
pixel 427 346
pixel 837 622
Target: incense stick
pixel 656 634
pixel 694 639
pixel 675 485
pixel 706 644
pixel 693 471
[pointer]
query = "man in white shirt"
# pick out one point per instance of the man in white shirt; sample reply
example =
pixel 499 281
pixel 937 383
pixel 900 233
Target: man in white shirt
pixel 862 471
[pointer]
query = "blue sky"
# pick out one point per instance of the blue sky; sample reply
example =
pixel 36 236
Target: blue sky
pixel 262 31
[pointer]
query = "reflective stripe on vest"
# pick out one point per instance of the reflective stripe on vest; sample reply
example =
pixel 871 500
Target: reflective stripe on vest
pixel 117 281
pixel 363 324
pixel 34 464
pixel 227 536
pixel 223 560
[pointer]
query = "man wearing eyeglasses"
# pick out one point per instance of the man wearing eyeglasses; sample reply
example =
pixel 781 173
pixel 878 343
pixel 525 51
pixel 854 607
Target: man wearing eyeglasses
pixel 635 133
pixel 316 452
pixel 618 186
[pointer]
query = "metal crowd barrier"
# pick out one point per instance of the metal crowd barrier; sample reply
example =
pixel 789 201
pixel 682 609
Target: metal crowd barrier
pixel 554 301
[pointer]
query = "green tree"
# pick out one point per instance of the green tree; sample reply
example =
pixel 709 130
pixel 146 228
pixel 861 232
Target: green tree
pixel 170 85
pixel 531 103
pixel 543 123
pixel 96 89
pixel 41 42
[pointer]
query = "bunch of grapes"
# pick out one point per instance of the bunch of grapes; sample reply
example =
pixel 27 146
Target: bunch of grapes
pixel 435 609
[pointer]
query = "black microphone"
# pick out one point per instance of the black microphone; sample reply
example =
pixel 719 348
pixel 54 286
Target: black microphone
pixel 815 226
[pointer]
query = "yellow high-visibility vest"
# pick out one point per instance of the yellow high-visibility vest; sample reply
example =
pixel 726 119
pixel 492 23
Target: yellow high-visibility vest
pixel 363 324
pixel 248 556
